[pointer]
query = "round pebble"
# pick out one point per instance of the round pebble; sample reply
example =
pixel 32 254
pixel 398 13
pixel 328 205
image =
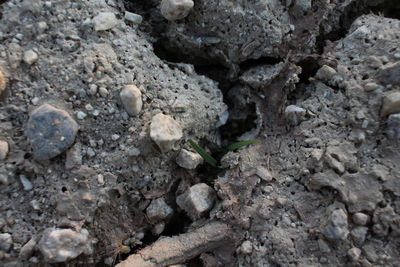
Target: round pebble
pixel 51 131
pixel 131 98
pixel 176 9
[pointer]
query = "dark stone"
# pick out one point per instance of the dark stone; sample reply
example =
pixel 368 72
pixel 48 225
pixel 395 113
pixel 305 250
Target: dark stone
pixel 51 131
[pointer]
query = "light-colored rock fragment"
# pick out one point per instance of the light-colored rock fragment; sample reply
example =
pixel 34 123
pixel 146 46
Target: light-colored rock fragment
pixel 61 245
pixel 188 160
pixel 176 9
pixel 295 114
pixel 3 150
pixel 391 104
pixel 165 131
pixel 27 250
pixel 131 98
pixel 3 82
pixel 354 254
pixel 197 200
pixel 325 73
pixel 105 21
pixel 360 218
pixel 74 157
pixel 246 247
pixel 134 18
pixel 30 57
pixel 5 242
pixel 337 228
pixel 158 210
pixel 158 228
pixel 369 87
pixel 25 182
pixel 358 234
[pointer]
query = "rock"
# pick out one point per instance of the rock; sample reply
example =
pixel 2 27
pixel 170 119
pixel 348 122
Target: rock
pixel 74 157
pixel 3 82
pixel 246 247
pixel 188 160
pixel 360 218
pixel 389 74
pixel 81 115
pixel 197 200
pixel 325 73
pixel 264 173
pixel 393 126
pixel 25 182
pixel 165 131
pixel 337 225
pixel 134 18
pixel 158 228
pixel 103 91
pixel 131 98
pixel 60 245
pixel 354 254
pixel 30 57
pixel 176 9
pixel 295 114
pixel 3 150
pixel 51 131
pixel 5 242
pixel 158 210
pixel 27 250
pixel 105 21
pixel 391 104
pixel 369 87
pixel 358 234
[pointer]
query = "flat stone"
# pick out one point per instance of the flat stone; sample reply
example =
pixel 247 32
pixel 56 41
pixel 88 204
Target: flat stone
pixel 131 98
pixel 3 150
pixel 105 21
pixel 165 131
pixel 51 131
pixel 175 9
pixel 391 104
pixel 158 210
pixel 337 227
pixel 188 160
pixel 197 200
pixel 61 245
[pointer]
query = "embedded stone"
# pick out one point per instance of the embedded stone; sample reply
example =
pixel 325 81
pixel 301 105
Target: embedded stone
pixel 131 98
pixel 391 104
pixel 105 21
pixel 51 131
pixel 188 160
pixel 337 227
pixel 165 131
pixel 176 9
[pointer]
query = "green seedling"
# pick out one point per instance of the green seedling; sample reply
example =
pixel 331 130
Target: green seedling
pixel 210 159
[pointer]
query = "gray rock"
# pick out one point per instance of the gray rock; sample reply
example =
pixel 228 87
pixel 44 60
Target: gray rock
pixel 51 131
pixel 295 114
pixel 358 234
pixel 246 247
pixel 25 182
pixel 176 9
pixel 158 210
pixel 393 126
pixel 165 131
pixel 27 250
pixel 360 218
pixel 5 242
pixel 134 18
pixel 131 98
pixel 188 160
pixel 197 200
pixel 30 57
pixel 337 228
pixel 391 104
pixel 105 21
pixel 354 254
pixel 325 73
pixel 74 157
pixel 60 245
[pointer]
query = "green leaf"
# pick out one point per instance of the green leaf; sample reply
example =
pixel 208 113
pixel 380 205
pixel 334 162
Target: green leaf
pixel 207 157
pixel 237 145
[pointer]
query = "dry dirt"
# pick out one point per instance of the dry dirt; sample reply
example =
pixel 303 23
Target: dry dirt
pixel 317 82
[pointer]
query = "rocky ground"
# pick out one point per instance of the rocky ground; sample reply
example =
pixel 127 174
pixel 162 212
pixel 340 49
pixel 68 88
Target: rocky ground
pixel 98 101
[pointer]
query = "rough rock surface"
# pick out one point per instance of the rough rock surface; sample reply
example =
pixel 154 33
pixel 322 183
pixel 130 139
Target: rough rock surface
pixel 51 131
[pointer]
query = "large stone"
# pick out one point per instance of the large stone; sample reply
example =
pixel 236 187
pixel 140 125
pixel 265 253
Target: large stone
pixel 131 98
pixel 165 131
pixel 176 9
pixel 60 245
pixel 337 227
pixel 105 21
pixel 391 104
pixel 197 200
pixel 51 131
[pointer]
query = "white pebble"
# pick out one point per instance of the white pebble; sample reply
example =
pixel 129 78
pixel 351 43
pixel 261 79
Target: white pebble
pixel 103 92
pixel 105 21
pixel 165 131
pixel 188 160
pixel 30 57
pixel 81 115
pixel 3 150
pixel 115 137
pixel 25 182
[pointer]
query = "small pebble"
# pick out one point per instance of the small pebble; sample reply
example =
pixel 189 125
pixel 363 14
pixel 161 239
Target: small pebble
pixel 132 17
pixel 27 250
pixel 158 210
pixel 295 114
pixel 325 73
pixel 358 234
pixel 4 149
pixel 115 137
pixel 165 131
pixel 158 228
pixel 354 254
pixel 246 247
pixel 30 57
pixel 393 126
pixel 5 242
pixel 337 227
pixel 188 160
pixel 51 131
pixel 81 115
pixel 176 9
pixel 25 182
pixel 3 82
pixel 131 98
pixel 105 21
pixel 103 92
pixel 360 218
pixel 369 87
